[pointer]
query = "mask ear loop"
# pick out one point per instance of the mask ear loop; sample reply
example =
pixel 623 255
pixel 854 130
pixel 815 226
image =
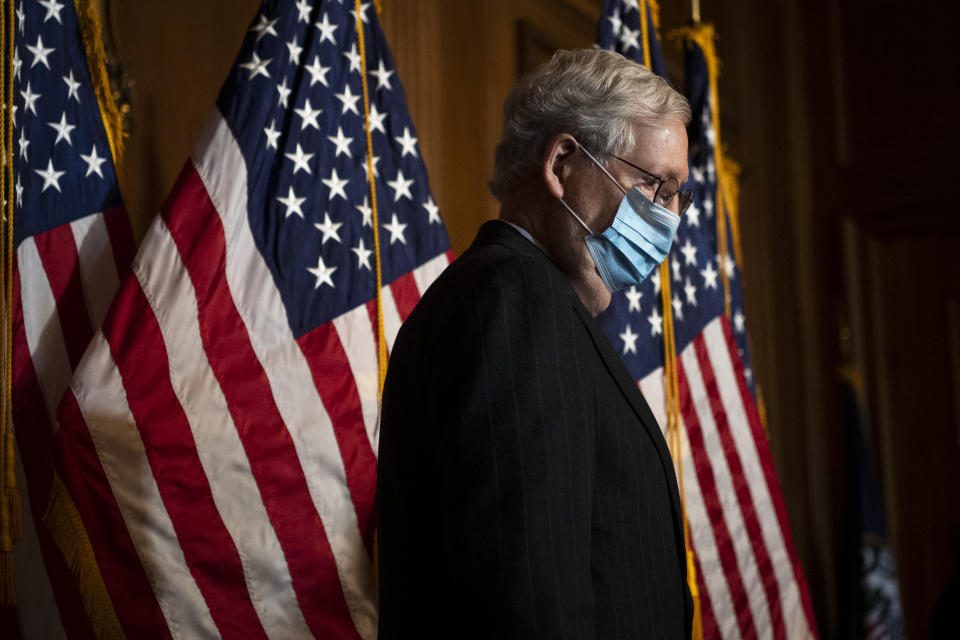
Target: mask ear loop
pixel 574 214
pixel 602 168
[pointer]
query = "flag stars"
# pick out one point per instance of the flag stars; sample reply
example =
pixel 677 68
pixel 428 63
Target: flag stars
pixel 19 193
pixel 376 120
pixel 629 38
pixel 363 255
pixel 24 144
pixel 292 203
pixel 303 10
pixel 655 279
pixel 300 160
pixel 256 66
pixel 656 323
pixel 53 10
pixel 94 162
pixel 20 18
pixel 336 184
pixel 633 299
pixel 322 273
pixel 272 135
pixel 708 206
pixel 363 12
pixel 376 172
pixel 383 76
pixel 40 53
pixel 318 72
pixel 629 340
pixel 675 266
pixel 283 92
pixel 264 27
pixel 72 86
pixel 342 143
pixel 308 116
pixel 615 22
pixel 327 30
pixel 709 276
pixel 739 322
pixel 400 186
pixel 349 100
pixel 692 216
pixel 396 230
pixel 17 63
pixel 329 229
pixel 295 50
pixel 30 99
pixel 366 213
pixel 689 253
pixel 677 306
pixel 691 292
pixel 408 142
pixel 433 211
pixel 51 177
pixel 728 265
pixel 353 57
pixel 63 129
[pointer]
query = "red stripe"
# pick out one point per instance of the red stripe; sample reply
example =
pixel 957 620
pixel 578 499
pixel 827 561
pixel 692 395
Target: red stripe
pixel 338 391
pixel 708 620
pixel 58 253
pixel 405 294
pixel 121 239
pixel 711 501
pixel 747 509
pixel 137 347
pixel 198 233
pixel 130 592
pixel 766 462
pixel 34 446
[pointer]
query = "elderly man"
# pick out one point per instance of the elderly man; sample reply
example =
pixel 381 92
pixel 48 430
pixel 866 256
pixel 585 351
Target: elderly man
pixel 525 489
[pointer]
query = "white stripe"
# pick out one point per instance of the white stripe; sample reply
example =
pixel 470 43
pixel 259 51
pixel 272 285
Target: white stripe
pixel 426 273
pixel 704 543
pixel 36 606
pixel 98 271
pixel 103 403
pixel 41 324
pixel 746 562
pixel 391 318
pixel 719 355
pixel 651 386
pixel 355 333
pixel 221 166
pixel 171 295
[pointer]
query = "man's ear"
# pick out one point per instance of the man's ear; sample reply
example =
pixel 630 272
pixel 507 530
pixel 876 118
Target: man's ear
pixel 557 167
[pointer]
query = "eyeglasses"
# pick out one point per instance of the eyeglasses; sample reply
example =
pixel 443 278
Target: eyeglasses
pixel 664 189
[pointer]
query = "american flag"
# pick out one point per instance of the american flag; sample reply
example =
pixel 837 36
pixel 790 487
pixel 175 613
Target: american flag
pixel 72 245
pixel 748 576
pixel 220 436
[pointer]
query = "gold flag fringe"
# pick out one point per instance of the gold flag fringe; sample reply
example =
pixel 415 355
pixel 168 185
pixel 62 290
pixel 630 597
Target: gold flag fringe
pixel 92 34
pixel 63 520
pixel 670 375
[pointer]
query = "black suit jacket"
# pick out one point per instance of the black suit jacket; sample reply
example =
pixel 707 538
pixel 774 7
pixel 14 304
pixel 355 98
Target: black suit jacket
pixel 524 489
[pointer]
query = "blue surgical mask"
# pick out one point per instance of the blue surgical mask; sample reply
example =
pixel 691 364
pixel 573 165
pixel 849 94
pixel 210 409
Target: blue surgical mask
pixel 636 243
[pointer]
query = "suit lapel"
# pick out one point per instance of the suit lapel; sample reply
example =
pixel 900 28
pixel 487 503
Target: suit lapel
pixel 628 387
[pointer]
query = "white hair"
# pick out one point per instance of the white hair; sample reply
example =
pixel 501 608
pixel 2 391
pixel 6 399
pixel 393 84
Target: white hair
pixel 597 96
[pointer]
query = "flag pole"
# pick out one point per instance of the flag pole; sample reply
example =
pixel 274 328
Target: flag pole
pixel 695 10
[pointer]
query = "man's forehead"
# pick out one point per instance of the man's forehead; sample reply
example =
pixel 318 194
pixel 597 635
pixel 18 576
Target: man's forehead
pixel 660 148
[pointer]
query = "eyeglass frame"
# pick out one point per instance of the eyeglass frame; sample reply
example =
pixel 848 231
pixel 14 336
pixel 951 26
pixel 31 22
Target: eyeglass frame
pixel 680 194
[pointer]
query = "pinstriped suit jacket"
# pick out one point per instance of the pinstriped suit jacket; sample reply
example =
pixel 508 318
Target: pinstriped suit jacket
pixel 524 488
